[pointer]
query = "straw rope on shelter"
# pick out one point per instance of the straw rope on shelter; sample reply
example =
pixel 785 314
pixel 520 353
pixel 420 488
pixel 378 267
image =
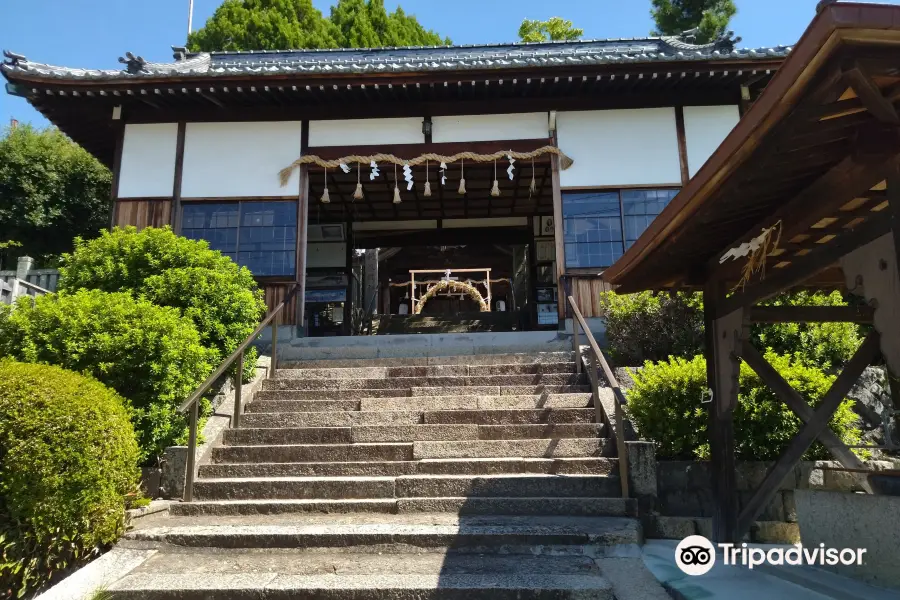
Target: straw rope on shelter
pixel 285 174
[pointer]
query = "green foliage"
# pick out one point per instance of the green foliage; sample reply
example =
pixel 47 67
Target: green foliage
pixel 296 24
pixel 366 24
pixel 553 29
pixel 149 354
pixel 710 17
pixel 67 462
pixel 51 190
pixel 220 297
pixel 827 345
pixel 665 404
pixel 644 326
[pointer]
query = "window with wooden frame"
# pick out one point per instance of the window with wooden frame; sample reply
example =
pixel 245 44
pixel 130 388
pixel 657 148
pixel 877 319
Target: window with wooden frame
pixel 599 225
pixel 259 235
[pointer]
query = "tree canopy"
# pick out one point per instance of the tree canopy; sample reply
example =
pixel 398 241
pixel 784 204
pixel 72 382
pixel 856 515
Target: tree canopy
pixel 297 24
pixel 553 29
pixel 51 191
pixel 710 17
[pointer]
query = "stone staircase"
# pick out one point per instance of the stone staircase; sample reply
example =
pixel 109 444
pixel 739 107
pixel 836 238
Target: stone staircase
pixel 459 323
pixel 484 476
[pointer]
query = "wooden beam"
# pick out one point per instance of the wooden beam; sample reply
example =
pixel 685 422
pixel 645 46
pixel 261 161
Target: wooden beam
pixel 813 428
pixel 119 129
pixel 812 314
pixel 682 145
pixel 722 370
pixel 175 217
pixel 870 95
pixel 799 406
pixel 802 268
pixel 558 234
pixel 302 232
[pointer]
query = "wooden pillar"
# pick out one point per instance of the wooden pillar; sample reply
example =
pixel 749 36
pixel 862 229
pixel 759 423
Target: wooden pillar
pixel 351 284
pixel 722 369
pixel 893 190
pixel 682 149
pixel 558 232
pixel 119 128
pixel 302 233
pixel 175 212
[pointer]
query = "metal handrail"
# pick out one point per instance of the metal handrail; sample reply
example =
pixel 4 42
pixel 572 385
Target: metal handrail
pixel 193 402
pixel 616 420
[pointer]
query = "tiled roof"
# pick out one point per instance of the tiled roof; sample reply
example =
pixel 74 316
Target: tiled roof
pixel 409 60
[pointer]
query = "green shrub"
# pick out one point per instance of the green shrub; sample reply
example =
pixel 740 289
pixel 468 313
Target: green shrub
pixel 68 461
pixel 647 326
pixel 220 297
pixel 665 404
pixel 149 354
pixel 644 326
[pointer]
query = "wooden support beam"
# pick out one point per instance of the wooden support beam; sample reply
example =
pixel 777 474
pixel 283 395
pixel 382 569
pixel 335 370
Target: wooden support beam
pixel 870 94
pixel 812 314
pixel 302 232
pixel 175 216
pixel 813 428
pixel 722 370
pixel 799 406
pixel 558 234
pixel 802 268
pixel 682 145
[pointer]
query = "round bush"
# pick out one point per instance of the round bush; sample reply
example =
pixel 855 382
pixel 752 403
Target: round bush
pixel 149 354
pixel 647 326
pixel 68 459
pixel 665 405
pixel 220 297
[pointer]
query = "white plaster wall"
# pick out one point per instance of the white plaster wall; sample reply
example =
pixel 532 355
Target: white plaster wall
pixel 366 132
pixel 486 128
pixel 619 147
pixel 148 160
pixel 705 128
pixel 326 255
pixel 224 160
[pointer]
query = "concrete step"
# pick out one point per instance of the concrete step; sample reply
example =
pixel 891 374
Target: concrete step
pixel 355 383
pixel 503 390
pixel 468 359
pixel 294 453
pixel 287 435
pixel 425 371
pixel 575 507
pixel 477 402
pixel 407 486
pixel 330 419
pixel 449 466
pixel 350 418
pixel 511 416
pixel 559 448
pixel 394 533
pixel 507 486
pixel 298 575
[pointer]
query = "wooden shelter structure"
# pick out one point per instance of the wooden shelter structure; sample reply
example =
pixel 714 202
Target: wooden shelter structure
pixel 805 191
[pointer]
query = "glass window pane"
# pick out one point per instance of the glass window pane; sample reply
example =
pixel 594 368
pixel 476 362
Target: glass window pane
pixel 268 237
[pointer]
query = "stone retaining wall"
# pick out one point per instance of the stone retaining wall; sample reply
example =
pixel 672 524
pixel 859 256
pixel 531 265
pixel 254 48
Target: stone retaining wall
pixel 685 498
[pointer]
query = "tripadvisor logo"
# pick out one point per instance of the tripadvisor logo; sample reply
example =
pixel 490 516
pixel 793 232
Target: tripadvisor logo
pixel 696 555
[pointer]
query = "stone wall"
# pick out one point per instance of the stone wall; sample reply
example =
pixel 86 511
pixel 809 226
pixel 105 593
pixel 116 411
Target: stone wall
pixel 685 498
pixel 685 487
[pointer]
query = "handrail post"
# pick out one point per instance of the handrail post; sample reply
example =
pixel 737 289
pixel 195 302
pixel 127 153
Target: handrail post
pixel 188 495
pixel 576 346
pixel 238 389
pixel 274 364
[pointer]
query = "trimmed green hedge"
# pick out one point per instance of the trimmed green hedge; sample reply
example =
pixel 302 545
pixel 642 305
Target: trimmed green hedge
pixel 149 354
pixel 665 404
pixel 68 460
pixel 220 297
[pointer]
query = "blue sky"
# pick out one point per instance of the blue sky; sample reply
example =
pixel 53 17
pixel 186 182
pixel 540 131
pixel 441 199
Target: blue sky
pixel 94 33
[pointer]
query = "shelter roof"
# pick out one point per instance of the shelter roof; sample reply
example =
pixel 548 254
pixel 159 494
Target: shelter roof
pixel 810 157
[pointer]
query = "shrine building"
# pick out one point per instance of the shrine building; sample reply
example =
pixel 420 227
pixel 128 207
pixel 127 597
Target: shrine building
pixel 440 181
